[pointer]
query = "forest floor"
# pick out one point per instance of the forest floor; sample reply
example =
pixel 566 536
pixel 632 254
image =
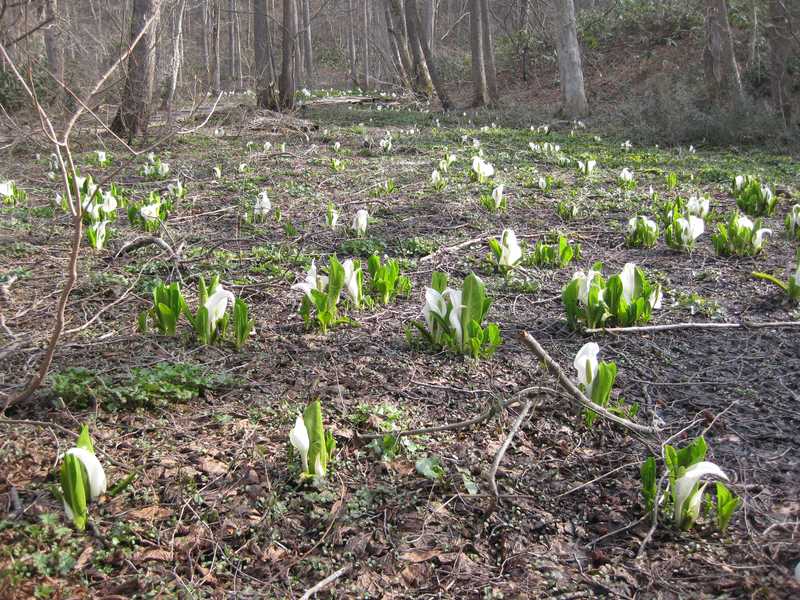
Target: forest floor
pixel 217 508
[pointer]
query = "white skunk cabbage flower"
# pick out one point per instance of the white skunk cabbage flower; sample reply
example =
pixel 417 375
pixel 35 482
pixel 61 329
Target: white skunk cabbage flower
pixel 455 314
pixel 626 145
pixel 101 156
pixel 585 284
pixel 436 177
pixel 360 221
pixel 319 470
pixel 99 229
pixel 758 238
pixel 217 304
pixel 585 364
pixel 649 224
pixel 151 212
pixel 434 303
pixel 95 473
pixel 109 203
pixel 793 218
pixel 698 206
pixel 263 205
pixel 686 484
pixel 511 252
pixel 337 146
pixel 298 437
pixel 738 182
pixel 690 229
pixel 482 169
pixel 626 175
pixel 313 281
pixel 497 195
pixel 628 277
pixel 656 296
pixel 351 281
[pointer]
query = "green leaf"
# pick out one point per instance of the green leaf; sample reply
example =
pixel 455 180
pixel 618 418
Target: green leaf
pixel 727 504
pixel 649 490
pixel 430 467
pixel 439 281
pixel 312 417
pixel 473 298
pixel 84 440
pixel 75 490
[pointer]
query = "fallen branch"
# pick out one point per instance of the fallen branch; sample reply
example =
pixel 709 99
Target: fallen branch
pixel 450 249
pixel 146 240
pixel 326 582
pixel 675 326
pixel 573 390
pixel 502 450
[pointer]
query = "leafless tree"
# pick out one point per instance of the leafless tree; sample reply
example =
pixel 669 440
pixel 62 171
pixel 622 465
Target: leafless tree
pixel 570 69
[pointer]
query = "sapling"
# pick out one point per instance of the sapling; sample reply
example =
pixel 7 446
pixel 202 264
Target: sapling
pixel 82 479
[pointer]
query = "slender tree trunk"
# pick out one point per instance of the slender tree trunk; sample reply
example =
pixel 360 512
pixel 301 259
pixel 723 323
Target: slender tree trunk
pixel 238 35
pixel 488 52
pixel 394 44
pixel 723 82
pixel 570 69
pixel 414 29
pixel 266 89
pixel 54 48
pixel 134 108
pixel 396 18
pixel 429 23
pixel 230 58
pixel 480 86
pixel 308 56
pixel 351 42
pixel 523 28
pixel 175 67
pixel 204 7
pixel 780 45
pixel 422 76
pixel 216 26
pixel 288 61
pixel 366 44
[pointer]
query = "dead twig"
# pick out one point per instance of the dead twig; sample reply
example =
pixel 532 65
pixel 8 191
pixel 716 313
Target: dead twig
pixel 450 249
pixel 573 390
pixel 146 240
pixel 506 443
pixel 326 582
pixel 676 326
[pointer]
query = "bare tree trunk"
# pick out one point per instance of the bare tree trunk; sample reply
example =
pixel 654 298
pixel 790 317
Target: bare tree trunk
pixel 54 48
pixel 204 7
pixel 308 54
pixel 414 28
pixel 396 20
pixel 175 67
pixel 488 52
pixel 238 35
pixel 570 69
pixel 230 59
pixel 523 28
pixel 216 26
pixel 394 43
pixel 351 42
pixel 366 45
pixel 428 28
pixel 288 60
pixel 266 89
pixel 780 43
pixel 422 76
pixel 134 109
pixel 723 83
pixel 480 86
